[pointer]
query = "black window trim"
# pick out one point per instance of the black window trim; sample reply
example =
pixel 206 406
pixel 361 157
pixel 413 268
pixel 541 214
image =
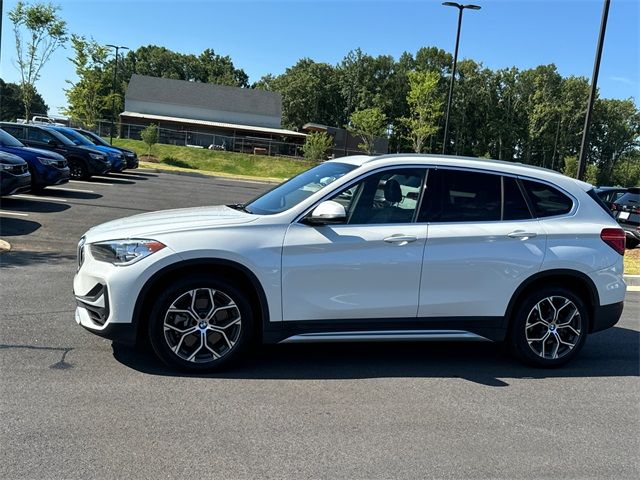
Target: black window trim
pixel 574 202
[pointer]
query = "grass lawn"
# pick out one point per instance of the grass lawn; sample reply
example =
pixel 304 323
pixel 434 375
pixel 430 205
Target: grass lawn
pixel 215 161
pixel 632 261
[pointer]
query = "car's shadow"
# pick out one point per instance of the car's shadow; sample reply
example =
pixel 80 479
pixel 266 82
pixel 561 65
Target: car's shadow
pixel 613 353
pixel 33 205
pixel 15 227
pixel 21 258
pixel 109 178
pixel 65 192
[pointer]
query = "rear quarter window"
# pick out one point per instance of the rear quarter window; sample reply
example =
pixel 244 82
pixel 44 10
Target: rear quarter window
pixel 546 200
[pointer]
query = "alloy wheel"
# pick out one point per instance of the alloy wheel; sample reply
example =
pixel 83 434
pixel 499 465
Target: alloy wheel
pixel 553 327
pixel 202 325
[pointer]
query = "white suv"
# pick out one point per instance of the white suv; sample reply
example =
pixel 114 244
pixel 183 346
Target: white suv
pixel 396 247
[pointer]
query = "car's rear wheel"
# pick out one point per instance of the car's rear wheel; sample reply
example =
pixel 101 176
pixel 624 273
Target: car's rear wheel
pixel 78 170
pixel 201 324
pixel 549 327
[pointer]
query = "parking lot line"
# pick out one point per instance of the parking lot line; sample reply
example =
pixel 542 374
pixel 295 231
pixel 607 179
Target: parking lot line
pixel 18 214
pixel 35 197
pixel 91 183
pixel 70 189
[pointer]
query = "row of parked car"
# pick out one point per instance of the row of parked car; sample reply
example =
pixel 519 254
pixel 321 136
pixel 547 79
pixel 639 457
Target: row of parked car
pixel 33 157
pixel 624 204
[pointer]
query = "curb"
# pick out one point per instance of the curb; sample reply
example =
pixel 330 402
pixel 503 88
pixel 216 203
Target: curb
pixel 4 246
pixel 632 280
pixel 154 167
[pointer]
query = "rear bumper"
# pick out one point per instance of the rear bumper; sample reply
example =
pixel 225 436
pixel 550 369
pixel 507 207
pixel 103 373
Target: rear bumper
pixel 606 316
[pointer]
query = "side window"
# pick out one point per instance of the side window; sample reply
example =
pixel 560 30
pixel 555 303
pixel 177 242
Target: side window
pixel 390 196
pixel 14 130
pixel 37 135
pixel 546 200
pixel 515 206
pixel 458 196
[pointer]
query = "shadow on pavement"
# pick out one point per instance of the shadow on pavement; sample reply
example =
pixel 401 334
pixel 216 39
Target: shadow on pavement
pixel 26 257
pixel 111 179
pixel 14 227
pixel 36 206
pixel 130 176
pixel 613 353
pixel 70 194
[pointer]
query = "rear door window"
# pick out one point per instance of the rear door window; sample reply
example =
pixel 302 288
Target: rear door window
pixel 546 200
pixel 515 205
pixel 14 130
pixel 459 196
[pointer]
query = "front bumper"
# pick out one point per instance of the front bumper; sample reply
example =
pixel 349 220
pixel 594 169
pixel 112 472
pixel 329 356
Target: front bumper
pixel 98 167
pixel 11 184
pixel 51 176
pixel 132 162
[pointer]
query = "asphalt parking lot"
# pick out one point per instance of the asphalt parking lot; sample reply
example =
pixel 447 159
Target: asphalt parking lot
pixel 75 406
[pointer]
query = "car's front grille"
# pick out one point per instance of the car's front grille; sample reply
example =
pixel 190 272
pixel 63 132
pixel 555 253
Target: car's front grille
pixel 61 163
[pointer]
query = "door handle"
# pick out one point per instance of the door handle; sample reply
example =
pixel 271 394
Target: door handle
pixel 400 239
pixel 522 234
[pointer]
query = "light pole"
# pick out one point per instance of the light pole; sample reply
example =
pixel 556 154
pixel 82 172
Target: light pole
pixel 113 90
pixel 584 145
pixel 455 64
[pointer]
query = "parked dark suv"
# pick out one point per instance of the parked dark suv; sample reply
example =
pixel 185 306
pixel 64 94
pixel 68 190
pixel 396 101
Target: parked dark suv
pixel 83 161
pixel 610 194
pixel 626 211
pixel 130 156
pixel 46 167
pixel 14 174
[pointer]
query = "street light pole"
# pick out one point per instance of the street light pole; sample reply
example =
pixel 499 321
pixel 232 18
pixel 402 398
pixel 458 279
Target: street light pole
pixel 455 64
pixel 113 90
pixel 584 145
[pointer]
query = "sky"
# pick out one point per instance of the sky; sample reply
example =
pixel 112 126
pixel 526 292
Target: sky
pixel 268 36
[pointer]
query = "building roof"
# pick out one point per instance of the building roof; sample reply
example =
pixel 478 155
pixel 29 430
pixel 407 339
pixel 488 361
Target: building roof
pixel 206 123
pixel 204 95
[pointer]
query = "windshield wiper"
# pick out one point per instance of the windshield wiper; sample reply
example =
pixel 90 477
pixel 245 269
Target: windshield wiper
pixel 240 206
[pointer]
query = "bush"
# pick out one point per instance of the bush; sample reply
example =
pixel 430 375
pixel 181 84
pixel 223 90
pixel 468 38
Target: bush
pixel 317 145
pixel 177 163
pixel 150 136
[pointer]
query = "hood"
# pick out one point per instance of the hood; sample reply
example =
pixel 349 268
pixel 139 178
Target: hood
pixel 33 152
pixel 10 159
pixel 147 225
pixel 107 150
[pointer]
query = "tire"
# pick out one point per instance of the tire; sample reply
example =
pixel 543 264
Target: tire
pixel 186 334
pixel 528 327
pixel 78 170
pixel 632 243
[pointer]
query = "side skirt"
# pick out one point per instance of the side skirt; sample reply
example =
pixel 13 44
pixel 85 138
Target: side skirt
pixel 376 329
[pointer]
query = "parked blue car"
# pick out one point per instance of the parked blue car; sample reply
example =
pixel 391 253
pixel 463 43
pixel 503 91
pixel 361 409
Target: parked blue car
pixel 46 167
pixel 116 157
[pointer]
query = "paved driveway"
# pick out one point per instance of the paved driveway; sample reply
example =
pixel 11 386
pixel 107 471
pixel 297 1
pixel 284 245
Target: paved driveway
pixel 75 406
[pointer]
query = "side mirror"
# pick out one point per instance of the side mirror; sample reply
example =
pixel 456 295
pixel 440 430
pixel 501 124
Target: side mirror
pixel 328 212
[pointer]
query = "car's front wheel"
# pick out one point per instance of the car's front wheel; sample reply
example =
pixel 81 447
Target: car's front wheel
pixel 201 324
pixel 549 327
pixel 78 170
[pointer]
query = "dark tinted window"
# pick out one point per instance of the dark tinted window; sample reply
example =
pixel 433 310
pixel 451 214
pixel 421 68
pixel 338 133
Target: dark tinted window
pixel 546 200
pixel 38 135
pixel 515 206
pixel 7 140
pixel 15 130
pixel 457 196
pixel 629 198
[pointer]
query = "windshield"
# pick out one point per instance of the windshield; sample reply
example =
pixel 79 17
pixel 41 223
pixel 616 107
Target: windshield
pixel 294 191
pixel 94 139
pixel 7 140
pixel 76 138
pixel 64 140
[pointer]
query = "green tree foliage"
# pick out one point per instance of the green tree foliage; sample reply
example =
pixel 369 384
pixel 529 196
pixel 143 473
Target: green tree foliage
pixel 425 107
pixel 11 106
pixel 317 145
pixel 88 99
pixel 368 124
pixel 45 32
pixel 150 136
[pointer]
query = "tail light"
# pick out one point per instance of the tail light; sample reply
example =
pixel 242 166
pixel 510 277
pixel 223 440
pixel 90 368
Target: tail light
pixel 615 238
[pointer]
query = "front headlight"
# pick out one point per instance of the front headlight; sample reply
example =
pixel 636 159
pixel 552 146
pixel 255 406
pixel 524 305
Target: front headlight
pixel 124 252
pixel 47 161
pixel 97 156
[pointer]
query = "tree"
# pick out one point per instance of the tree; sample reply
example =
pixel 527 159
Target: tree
pixel 11 106
pixel 150 136
pixel 317 145
pixel 46 32
pixel 89 98
pixel 368 124
pixel 425 108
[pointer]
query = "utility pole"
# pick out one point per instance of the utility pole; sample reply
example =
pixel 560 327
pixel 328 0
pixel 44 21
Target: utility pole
pixel 113 90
